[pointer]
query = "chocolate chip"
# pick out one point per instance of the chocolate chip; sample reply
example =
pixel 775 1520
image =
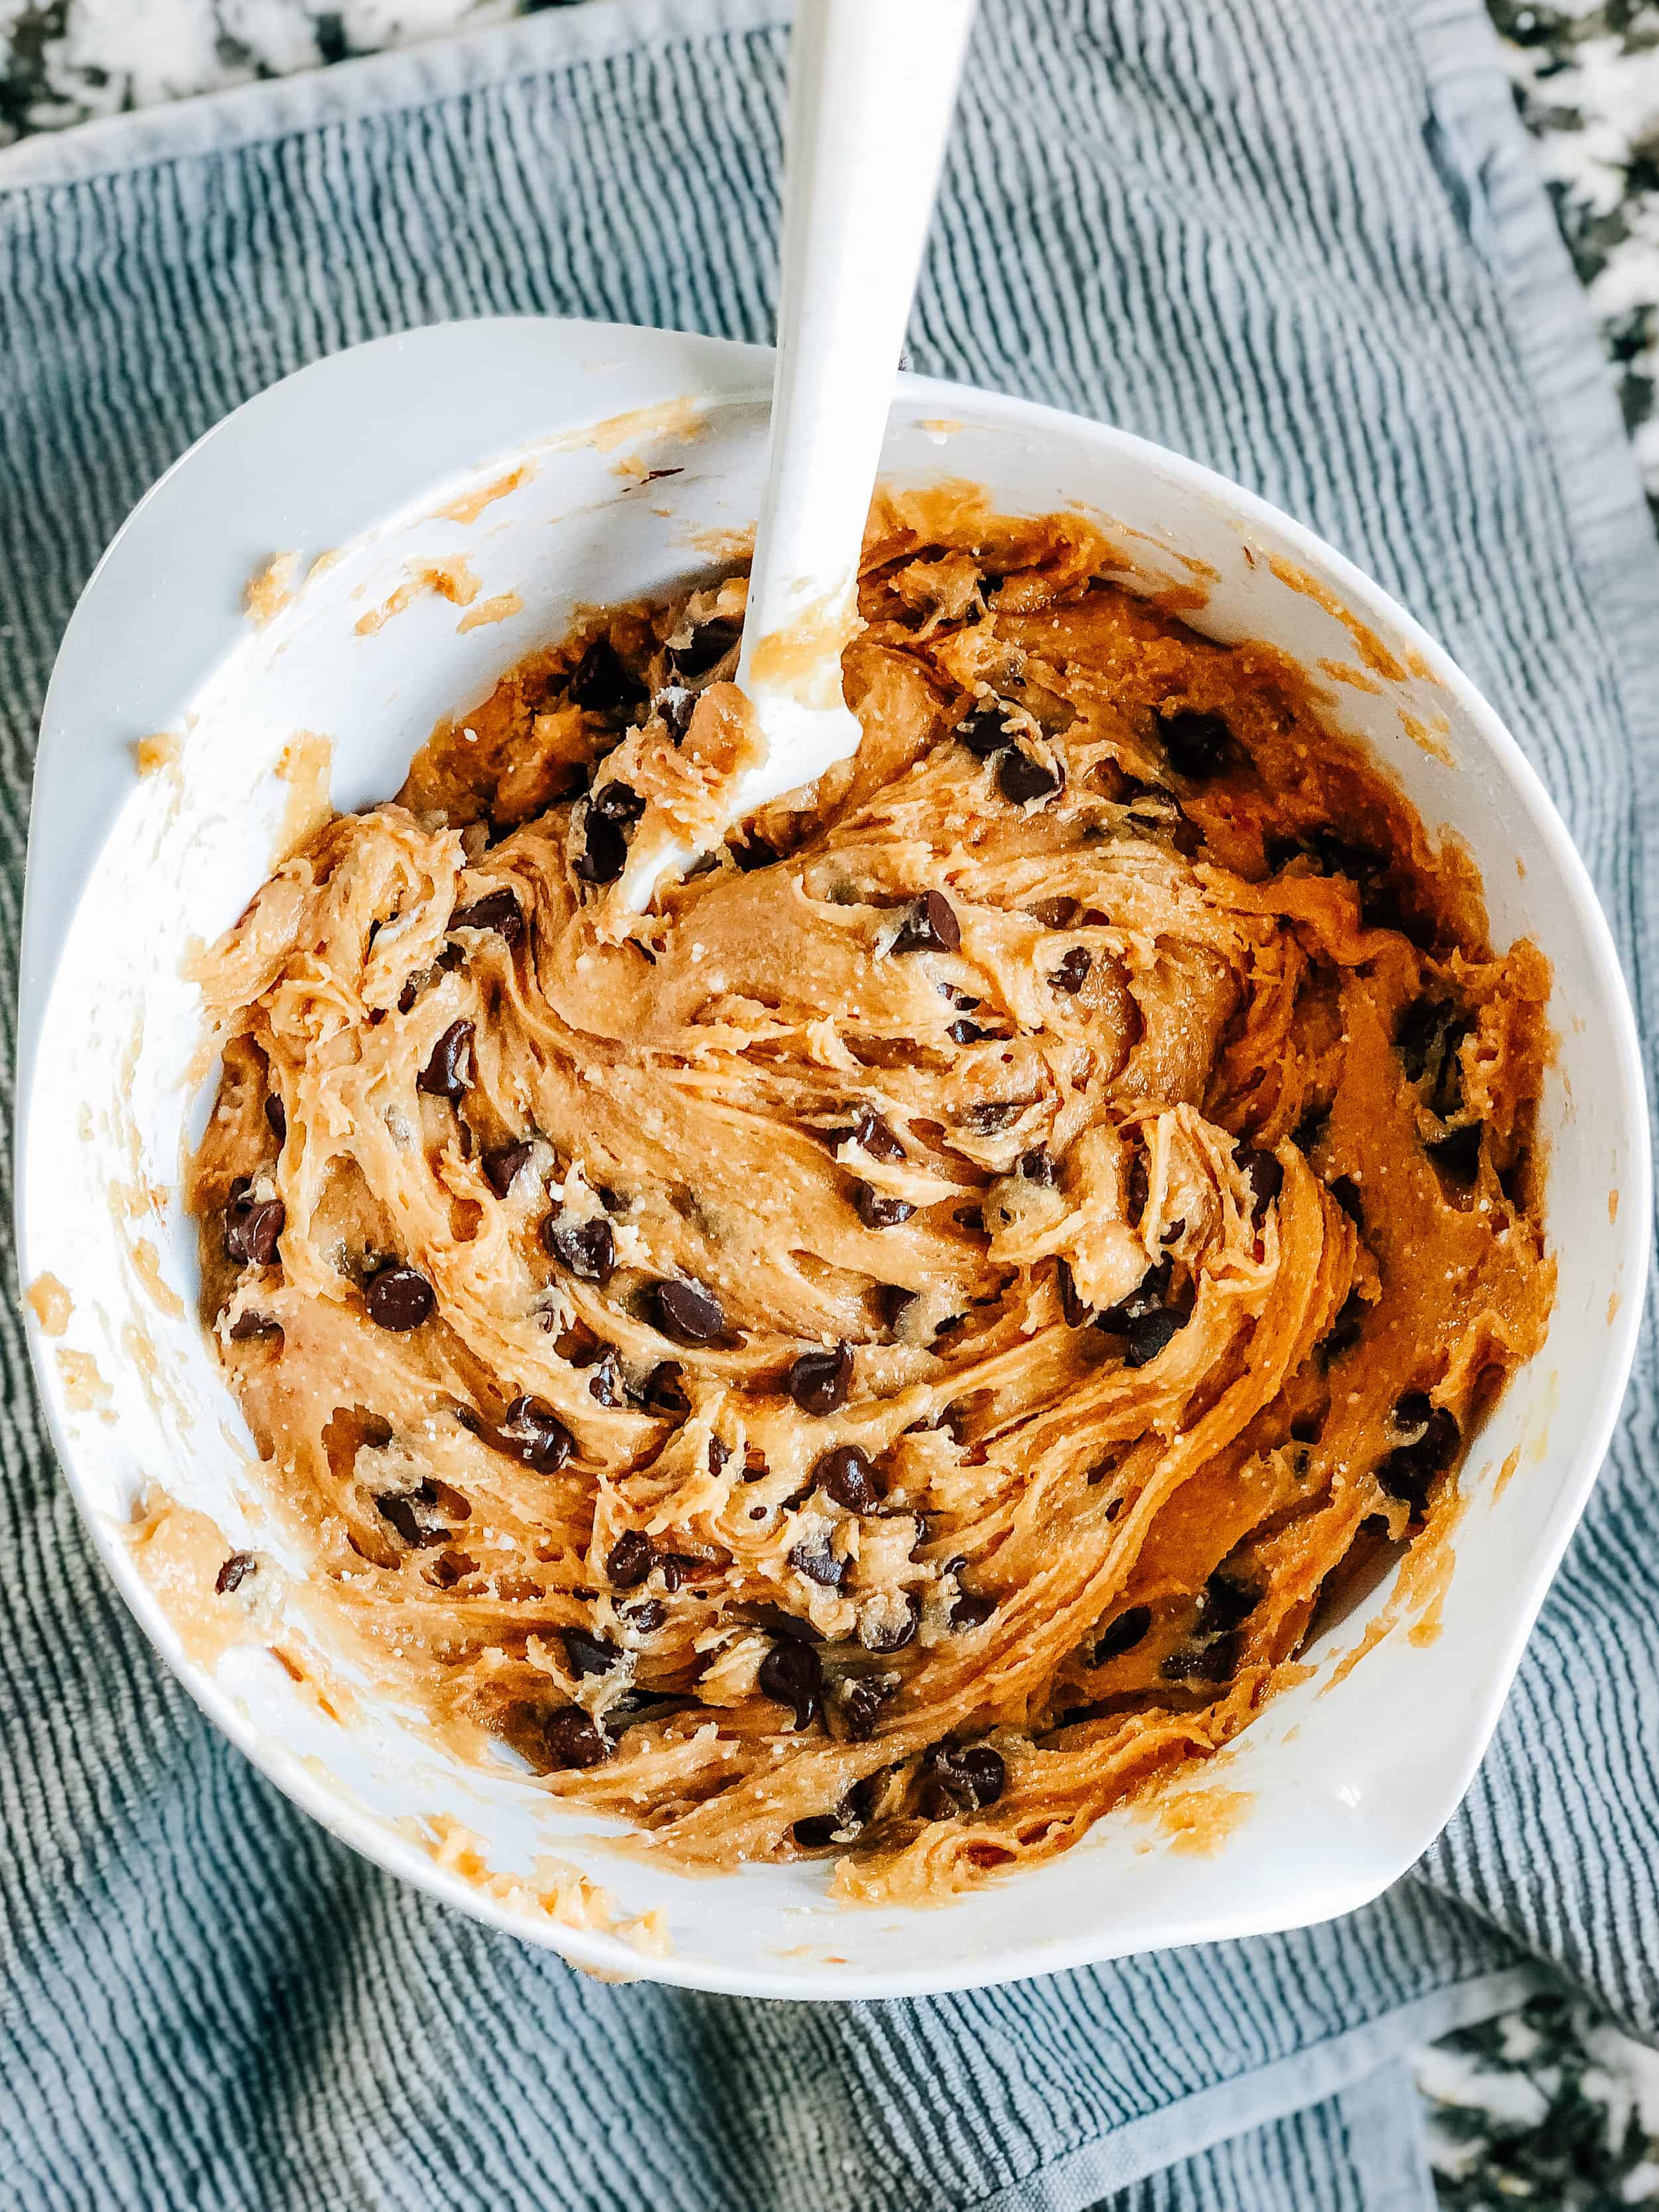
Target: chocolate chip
pixel 1420 1036
pixel 646 1619
pixel 895 1301
pixel 710 643
pixel 680 1567
pixel 497 910
pixel 399 1297
pixel 616 802
pixel 791 1627
pixel 1437 1445
pixel 448 1073
pixel 988 1115
pixel 816 1832
pixel 793 1674
pixel 971 1610
pixel 1310 1129
pixel 399 1511
pixel 689 1313
pixel 930 926
pixel 408 995
pixel 846 1478
pixel 605 1385
pixel 893 1636
pixel 819 1565
pixel 1023 778
pixel 1225 1601
pixel 1429 1040
pixel 573 1738
pixel 1339 856
pixel 985 731
pixel 534 1433
pixel 1345 1191
pixel 1412 1412
pixel 1122 1634
pixel 719 1453
pixel 663 1393
pixel 861 1702
pixel 1458 1154
pixel 676 705
pixel 1072 1308
pixel 967 1033
pixel 1409 1470
pixel 820 1382
pixel 1263 1174
pixel 577 1344
pixel 1197 744
pixel 1146 1297
pixel 604 852
pixel 587 1654
pixel 632 1558
pixel 409 1513
pixel 1344 1332
pixel 959 1778
pixel 1139 1186
pixel 247 1326
pixel 276 1115
pixel 252 1226
pixel 1073 972
pixel 1213 1661
pixel 586 1249
pixel 235 1572
pixel 600 682
pixel 878 1209
pixel 1150 1334
pixel 841 1826
pixel 871 1134
pixel 502 1164
pixel 1036 1166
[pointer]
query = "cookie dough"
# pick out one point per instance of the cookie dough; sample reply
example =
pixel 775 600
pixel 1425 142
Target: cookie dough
pixel 882 1356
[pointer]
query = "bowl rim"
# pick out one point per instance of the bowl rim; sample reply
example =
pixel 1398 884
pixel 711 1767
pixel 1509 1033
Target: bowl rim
pixel 67 834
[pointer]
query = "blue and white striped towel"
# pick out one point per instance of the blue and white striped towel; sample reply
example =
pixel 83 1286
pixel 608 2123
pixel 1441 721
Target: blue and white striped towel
pixel 1298 239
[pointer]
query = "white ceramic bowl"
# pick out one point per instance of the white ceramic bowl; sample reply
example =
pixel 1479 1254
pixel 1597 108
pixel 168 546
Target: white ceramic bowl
pixel 1338 1786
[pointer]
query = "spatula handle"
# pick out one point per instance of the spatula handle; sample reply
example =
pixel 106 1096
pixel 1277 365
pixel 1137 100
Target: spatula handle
pixel 872 87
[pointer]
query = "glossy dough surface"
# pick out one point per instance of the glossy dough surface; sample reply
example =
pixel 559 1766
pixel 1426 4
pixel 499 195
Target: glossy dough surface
pixel 882 1356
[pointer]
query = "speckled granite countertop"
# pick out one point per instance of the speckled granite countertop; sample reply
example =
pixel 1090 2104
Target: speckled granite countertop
pixel 1546 2106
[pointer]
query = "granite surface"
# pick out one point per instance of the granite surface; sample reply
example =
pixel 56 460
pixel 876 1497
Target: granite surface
pixel 1548 2107
pixel 1586 81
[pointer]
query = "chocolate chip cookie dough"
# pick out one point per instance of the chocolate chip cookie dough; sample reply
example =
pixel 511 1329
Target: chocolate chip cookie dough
pixel 880 1357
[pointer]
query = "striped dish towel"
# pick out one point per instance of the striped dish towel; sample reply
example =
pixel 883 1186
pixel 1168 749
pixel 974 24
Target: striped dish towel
pixel 1298 239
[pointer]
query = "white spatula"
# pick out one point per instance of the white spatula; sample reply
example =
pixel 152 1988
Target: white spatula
pixel 872 87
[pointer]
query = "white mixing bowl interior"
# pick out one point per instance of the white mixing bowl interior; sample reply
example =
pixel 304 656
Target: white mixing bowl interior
pixel 1335 1789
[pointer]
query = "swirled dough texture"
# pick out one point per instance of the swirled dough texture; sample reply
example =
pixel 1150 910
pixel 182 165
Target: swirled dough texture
pixel 882 1355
